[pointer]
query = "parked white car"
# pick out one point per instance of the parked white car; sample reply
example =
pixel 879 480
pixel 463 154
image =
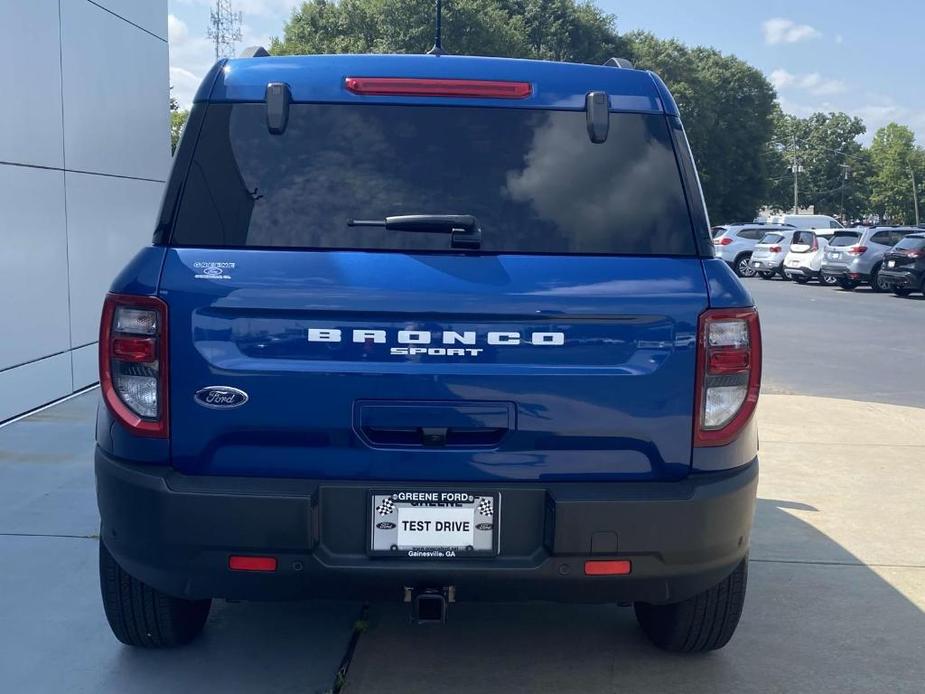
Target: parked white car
pixel 803 261
pixel 769 253
pixel 806 221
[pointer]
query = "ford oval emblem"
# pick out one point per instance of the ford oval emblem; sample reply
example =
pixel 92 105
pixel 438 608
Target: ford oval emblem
pixel 385 525
pixel 220 397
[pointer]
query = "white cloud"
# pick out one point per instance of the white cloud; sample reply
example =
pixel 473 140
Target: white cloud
pixel 780 30
pixel 177 31
pixel 876 112
pixel 811 82
pixel 262 8
pixel 839 39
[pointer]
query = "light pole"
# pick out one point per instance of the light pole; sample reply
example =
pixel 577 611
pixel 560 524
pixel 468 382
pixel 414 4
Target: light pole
pixel 915 195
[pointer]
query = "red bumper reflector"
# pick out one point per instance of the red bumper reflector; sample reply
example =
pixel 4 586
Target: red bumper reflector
pixel 616 567
pixel 414 86
pixel 240 563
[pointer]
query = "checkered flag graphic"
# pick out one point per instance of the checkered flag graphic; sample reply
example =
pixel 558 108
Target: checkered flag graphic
pixel 486 507
pixel 385 507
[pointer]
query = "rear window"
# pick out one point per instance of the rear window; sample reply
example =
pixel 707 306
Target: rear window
pixel 844 238
pixel 803 238
pixel 773 238
pixel 912 243
pixel 533 179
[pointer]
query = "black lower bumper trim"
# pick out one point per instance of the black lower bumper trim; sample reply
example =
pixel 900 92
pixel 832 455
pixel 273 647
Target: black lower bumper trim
pixel 176 532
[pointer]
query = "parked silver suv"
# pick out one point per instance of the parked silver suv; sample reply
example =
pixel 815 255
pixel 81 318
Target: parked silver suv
pixel 769 253
pixel 736 244
pixel 854 256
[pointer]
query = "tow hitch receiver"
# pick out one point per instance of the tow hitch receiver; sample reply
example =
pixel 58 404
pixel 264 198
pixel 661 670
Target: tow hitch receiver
pixel 428 605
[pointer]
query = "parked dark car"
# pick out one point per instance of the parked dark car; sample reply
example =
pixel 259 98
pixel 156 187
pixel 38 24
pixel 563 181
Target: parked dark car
pixel 904 265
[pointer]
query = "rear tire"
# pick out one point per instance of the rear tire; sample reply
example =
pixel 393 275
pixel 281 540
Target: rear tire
pixel 827 280
pixel 702 623
pixel 141 616
pixel 800 279
pixel 847 285
pixel 902 291
pixel 877 284
pixel 766 275
pixel 741 266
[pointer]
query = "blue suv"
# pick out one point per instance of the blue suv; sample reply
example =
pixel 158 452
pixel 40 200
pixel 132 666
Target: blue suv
pixel 431 329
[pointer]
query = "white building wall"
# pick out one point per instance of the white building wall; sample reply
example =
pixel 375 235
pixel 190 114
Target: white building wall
pixel 84 152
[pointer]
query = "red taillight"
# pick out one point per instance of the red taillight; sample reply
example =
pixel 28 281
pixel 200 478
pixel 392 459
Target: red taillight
pixel 414 86
pixel 247 563
pixel 139 349
pixel 775 249
pixel 857 250
pixel 723 241
pixel 728 374
pixel 618 567
pixel 133 362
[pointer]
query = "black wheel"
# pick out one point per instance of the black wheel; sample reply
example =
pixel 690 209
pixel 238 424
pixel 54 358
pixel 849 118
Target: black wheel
pixel 741 266
pixel 783 275
pixel 848 285
pixel 902 291
pixel 702 623
pixel 878 283
pixel 800 279
pixel 766 275
pixel 139 615
pixel 827 280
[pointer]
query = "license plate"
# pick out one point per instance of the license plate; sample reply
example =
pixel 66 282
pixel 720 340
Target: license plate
pixel 793 263
pixel 891 263
pixel 833 256
pixel 434 524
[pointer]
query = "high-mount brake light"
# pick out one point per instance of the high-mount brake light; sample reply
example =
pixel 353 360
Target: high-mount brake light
pixel 133 362
pixel 415 86
pixel 728 374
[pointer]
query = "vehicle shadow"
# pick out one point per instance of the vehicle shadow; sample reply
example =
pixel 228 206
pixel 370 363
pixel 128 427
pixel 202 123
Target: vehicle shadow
pixel 816 619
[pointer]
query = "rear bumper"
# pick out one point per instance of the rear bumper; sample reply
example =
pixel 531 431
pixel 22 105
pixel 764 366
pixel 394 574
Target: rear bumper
pixel 809 273
pixel 902 278
pixel 176 532
pixel 845 272
pixel 766 264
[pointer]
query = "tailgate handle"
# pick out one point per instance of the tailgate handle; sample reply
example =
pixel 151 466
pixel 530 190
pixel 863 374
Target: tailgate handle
pixel 424 425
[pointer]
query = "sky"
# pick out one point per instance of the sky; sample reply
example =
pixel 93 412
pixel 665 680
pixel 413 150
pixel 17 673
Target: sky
pixel 821 55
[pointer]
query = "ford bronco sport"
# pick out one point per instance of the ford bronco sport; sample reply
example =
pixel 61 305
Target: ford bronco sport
pixel 432 329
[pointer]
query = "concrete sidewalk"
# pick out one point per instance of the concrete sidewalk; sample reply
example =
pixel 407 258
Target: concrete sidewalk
pixel 836 586
pixel 835 597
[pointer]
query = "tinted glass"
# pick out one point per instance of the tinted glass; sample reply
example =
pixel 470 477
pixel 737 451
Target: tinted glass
pixel 844 238
pixel 884 238
pixel 533 179
pixel 912 243
pixel 803 238
pixel 772 238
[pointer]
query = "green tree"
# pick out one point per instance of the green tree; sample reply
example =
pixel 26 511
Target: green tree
pixel 835 168
pixel 727 108
pixel 178 118
pixel 895 158
pixel 545 29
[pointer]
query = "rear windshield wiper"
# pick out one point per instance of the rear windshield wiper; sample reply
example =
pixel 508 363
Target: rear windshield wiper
pixel 464 228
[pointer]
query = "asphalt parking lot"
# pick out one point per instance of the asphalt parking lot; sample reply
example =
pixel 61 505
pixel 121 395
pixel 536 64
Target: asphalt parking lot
pixel 837 572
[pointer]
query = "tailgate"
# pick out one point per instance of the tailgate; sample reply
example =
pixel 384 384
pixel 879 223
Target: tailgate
pixel 395 366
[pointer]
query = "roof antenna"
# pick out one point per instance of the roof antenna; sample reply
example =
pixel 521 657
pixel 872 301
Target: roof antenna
pixel 438 39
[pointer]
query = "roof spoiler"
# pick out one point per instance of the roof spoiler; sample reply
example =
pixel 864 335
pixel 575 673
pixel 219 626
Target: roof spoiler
pixel 619 62
pixel 254 52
